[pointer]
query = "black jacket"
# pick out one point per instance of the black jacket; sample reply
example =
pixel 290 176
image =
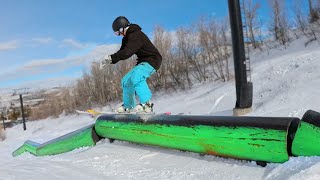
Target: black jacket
pixel 136 42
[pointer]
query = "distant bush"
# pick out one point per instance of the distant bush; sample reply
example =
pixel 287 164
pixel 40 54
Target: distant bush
pixel 2 135
pixel 54 105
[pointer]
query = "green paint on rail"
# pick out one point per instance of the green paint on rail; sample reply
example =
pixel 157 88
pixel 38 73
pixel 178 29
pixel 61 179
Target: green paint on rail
pixel 28 146
pixel 80 138
pixel 306 141
pixel 237 142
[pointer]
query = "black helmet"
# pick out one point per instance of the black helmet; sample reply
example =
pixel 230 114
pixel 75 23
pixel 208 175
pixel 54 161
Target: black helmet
pixel 120 22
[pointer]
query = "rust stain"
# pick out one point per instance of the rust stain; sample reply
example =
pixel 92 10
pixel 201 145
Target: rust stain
pixel 209 149
pixel 214 153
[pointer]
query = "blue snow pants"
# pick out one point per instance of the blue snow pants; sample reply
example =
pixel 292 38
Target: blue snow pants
pixel 135 82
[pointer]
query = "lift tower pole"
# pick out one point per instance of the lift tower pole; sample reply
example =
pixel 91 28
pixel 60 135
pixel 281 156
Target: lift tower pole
pixel 243 85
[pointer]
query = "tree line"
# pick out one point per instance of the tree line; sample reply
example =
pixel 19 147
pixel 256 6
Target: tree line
pixel 194 54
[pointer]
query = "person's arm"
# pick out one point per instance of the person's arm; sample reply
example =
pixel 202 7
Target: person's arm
pixel 133 45
pixel 122 46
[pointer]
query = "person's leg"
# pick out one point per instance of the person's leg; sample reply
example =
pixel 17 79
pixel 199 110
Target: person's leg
pixel 128 91
pixel 139 80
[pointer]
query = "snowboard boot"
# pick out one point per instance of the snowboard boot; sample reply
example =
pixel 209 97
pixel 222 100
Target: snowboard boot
pixel 123 109
pixel 144 108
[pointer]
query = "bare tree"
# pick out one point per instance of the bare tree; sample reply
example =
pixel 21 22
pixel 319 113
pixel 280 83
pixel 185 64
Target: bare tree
pixel 186 52
pixel 253 22
pixel 300 17
pixel 215 48
pixel 302 21
pixel 67 101
pixel 2 134
pixel 188 46
pixel 98 80
pixel 313 11
pixel 162 40
pixel 279 25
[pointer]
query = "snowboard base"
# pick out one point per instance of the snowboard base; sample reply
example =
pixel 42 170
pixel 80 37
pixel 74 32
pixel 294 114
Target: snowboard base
pixel 94 113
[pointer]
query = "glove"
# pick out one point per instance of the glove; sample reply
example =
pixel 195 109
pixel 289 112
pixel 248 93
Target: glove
pixel 107 60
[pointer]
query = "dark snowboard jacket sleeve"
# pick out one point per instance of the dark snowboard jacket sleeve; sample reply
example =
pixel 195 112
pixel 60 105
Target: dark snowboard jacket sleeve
pixel 133 45
pixel 136 42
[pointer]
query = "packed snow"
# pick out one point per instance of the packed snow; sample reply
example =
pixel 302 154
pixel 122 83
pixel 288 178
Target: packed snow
pixel 286 83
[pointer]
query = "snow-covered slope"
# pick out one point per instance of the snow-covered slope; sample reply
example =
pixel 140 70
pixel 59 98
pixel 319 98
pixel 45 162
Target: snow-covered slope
pixel 286 83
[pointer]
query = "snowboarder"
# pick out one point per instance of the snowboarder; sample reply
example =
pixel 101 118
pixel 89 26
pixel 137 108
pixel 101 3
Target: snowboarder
pixel 134 41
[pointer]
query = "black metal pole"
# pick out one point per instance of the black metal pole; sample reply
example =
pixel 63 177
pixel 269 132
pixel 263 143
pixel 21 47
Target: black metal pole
pixel 243 87
pixel 22 111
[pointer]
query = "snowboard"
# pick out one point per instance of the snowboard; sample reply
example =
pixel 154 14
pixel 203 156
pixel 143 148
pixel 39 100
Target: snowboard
pixel 95 113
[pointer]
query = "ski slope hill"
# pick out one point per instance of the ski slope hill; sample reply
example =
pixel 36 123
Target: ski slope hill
pixel 286 83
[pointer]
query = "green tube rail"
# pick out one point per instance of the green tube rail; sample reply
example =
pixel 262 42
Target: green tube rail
pixel 266 139
pixel 250 138
pixel 307 137
pixel 80 138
